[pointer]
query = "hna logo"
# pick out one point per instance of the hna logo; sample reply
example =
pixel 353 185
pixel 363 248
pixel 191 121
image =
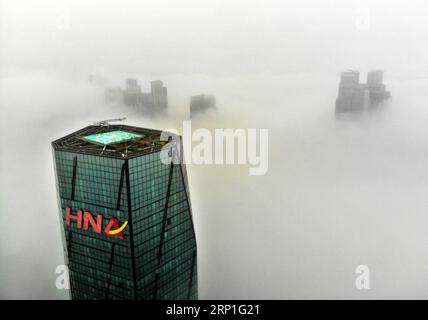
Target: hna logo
pixel 96 225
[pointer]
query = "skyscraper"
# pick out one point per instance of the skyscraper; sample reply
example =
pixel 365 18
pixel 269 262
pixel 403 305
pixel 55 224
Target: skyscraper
pixel 376 87
pixel 159 95
pixel 126 216
pixel 374 78
pixel 350 78
pixel 132 95
pixel 351 93
pixel 354 96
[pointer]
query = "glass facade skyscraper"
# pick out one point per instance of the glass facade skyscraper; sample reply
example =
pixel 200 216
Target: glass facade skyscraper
pixel 126 215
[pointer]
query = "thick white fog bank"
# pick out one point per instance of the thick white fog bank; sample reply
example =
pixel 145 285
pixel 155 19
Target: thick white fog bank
pixel 338 193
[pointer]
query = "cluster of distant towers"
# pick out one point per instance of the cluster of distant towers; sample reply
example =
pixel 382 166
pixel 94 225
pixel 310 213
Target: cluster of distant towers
pixel 356 96
pixel 155 101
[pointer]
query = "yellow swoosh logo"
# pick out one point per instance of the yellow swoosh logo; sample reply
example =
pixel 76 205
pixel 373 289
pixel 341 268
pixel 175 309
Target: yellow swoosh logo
pixel 113 232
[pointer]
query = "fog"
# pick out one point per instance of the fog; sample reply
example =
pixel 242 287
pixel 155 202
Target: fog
pixel 338 193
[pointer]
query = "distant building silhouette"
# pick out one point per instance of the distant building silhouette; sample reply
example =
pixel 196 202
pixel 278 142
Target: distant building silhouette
pixel 351 93
pixel 350 77
pixel 132 96
pixel 154 101
pixel 201 103
pixel 159 95
pixel 354 96
pixel 376 87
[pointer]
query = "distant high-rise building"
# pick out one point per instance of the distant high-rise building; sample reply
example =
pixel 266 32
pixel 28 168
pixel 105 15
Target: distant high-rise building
pixel 159 95
pixel 377 89
pixel 354 96
pixel 154 101
pixel 374 78
pixel 349 78
pixel 201 103
pixel 132 94
pixel 126 216
pixel 132 85
pixel 351 93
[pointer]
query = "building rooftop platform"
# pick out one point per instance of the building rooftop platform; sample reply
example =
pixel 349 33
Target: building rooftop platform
pixel 114 141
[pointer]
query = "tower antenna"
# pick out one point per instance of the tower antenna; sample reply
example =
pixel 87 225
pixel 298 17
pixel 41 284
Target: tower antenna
pixel 107 122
